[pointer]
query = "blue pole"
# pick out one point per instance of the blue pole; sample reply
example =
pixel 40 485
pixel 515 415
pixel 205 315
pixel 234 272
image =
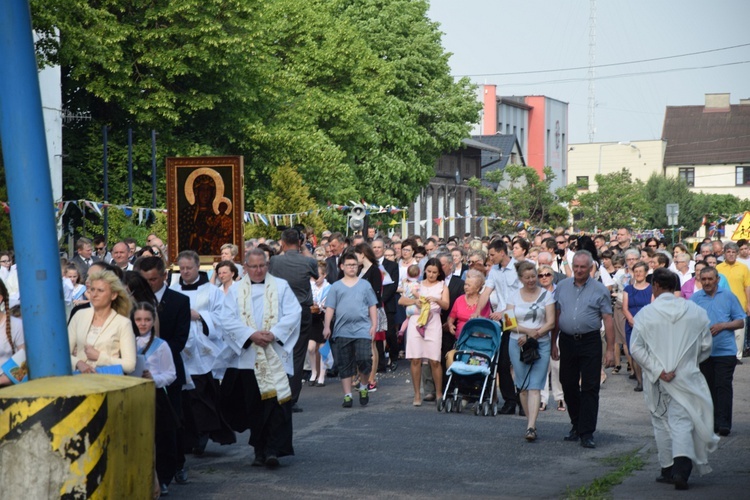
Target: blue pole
pixel 30 196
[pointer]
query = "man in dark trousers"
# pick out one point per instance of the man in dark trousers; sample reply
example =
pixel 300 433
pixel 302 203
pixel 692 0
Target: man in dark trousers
pixel 174 327
pixel 582 305
pixel 336 245
pixel 297 270
pixel 501 282
pixel 390 300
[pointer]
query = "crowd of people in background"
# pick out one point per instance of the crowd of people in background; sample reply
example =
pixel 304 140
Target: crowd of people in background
pixel 308 307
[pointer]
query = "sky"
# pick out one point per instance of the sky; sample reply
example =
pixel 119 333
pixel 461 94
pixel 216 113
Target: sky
pixel 489 37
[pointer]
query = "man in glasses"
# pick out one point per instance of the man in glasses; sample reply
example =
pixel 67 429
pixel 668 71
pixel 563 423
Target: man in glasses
pixel 100 249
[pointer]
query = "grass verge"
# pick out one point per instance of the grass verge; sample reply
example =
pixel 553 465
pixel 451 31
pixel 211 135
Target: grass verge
pixel 601 486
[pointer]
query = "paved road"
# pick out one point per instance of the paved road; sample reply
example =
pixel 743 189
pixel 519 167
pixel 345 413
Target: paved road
pixel 390 449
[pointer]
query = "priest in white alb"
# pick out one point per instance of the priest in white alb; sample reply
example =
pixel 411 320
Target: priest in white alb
pixel 671 336
pixel 260 319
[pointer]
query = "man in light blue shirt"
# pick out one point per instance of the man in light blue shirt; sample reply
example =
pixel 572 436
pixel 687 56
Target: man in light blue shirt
pixel 725 315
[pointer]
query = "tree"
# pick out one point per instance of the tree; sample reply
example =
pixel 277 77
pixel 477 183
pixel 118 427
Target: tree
pixel 288 195
pixel 660 190
pixel 521 195
pixel 618 202
pixel 423 114
pixel 356 93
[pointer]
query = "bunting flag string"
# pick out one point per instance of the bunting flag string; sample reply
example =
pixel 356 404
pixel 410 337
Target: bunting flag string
pixel 144 213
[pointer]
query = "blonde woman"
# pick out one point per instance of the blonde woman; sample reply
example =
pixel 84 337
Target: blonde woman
pixel 102 335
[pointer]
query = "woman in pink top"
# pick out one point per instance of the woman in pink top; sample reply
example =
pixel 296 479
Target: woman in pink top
pixel 466 304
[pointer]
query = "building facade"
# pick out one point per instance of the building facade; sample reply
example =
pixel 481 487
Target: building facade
pixel 641 158
pixel 709 146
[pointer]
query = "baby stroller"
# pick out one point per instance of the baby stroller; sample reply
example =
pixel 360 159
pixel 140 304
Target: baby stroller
pixel 473 373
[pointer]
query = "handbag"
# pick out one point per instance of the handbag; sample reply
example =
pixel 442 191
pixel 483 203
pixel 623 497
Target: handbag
pixel 530 351
pixel 382 326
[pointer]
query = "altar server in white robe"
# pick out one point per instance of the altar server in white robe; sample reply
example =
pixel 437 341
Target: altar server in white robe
pixel 201 401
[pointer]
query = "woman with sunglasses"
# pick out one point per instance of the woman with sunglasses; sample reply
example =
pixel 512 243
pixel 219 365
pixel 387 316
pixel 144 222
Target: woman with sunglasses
pixel 546 278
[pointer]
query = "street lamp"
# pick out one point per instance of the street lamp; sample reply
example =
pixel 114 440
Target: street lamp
pixel 621 143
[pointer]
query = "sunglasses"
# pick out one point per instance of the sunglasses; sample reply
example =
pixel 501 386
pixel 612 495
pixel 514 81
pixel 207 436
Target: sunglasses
pixel 561 242
pixel 472 262
pixel 545 275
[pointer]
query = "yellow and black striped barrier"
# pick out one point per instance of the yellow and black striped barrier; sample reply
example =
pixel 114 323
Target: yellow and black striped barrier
pixel 88 436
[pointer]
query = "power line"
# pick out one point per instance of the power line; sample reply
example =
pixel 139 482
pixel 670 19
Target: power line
pixel 623 75
pixel 610 64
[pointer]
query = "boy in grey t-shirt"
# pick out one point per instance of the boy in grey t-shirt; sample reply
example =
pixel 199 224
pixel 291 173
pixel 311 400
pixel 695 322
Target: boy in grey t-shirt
pixel 354 303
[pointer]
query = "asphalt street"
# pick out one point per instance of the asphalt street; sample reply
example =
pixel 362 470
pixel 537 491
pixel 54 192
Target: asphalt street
pixel 390 449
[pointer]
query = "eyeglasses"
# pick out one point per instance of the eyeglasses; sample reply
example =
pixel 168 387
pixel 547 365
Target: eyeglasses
pixel 472 262
pixel 545 275
pixel 351 265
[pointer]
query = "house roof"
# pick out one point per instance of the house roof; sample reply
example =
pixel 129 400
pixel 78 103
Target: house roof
pixel 504 144
pixel 699 136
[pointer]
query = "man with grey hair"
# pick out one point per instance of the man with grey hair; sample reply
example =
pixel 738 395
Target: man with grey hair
pixel 682 267
pixel 718 249
pixel 260 320
pixel 582 305
pixel 738 276
pixel 706 249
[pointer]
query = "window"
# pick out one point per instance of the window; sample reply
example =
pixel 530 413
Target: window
pixel 688 175
pixel 582 181
pixel 743 176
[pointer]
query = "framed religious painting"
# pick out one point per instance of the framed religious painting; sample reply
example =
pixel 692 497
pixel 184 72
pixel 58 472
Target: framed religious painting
pixel 205 205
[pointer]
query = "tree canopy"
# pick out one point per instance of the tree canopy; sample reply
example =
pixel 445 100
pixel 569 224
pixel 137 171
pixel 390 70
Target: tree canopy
pixel 355 94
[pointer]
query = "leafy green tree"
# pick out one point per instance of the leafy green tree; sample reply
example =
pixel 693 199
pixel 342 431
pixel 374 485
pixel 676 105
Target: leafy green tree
pixel 288 195
pixel 423 114
pixel 660 191
pixel 618 202
pixel 521 195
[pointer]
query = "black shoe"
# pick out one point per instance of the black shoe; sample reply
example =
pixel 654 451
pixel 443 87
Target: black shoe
pixel 272 461
pixel 297 409
pixel 746 352
pixel 259 461
pixel 680 483
pixel 724 431
pixel 164 490
pixel 638 388
pixel 181 476
pixel 508 409
pixel 521 413
pixel 572 436
pixel 666 476
pixel 588 442
pixel 739 361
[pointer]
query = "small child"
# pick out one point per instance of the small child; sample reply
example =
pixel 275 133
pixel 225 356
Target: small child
pixel 410 287
pixel 354 303
pixel 159 368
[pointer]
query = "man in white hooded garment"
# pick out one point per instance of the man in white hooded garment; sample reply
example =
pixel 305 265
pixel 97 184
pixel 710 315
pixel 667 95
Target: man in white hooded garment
pixel 670 338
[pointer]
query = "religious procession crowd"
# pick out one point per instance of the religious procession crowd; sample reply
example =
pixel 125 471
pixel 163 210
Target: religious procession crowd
pixel 229 349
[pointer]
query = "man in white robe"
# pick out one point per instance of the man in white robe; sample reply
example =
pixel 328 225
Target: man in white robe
pixel 200 402
pixel 260 320
pixel 670 338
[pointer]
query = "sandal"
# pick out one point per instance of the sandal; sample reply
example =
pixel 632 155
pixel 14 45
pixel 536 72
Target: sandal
pixel 543 407
pixel 560 406
pixel 616 369
pixel 530 434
